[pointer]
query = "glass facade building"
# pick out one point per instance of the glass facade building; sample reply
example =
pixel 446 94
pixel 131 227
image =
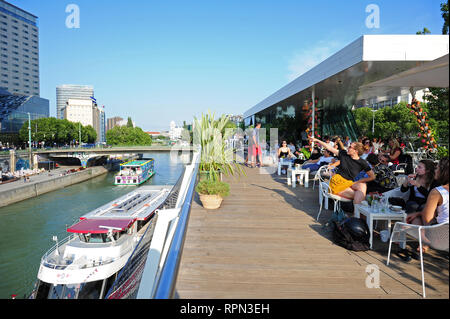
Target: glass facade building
pixel 330 90
pixel 19 50
pixel 70 91
pixel 14 110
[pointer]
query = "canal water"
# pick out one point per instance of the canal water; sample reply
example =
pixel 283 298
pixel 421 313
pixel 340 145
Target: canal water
pixel 27 227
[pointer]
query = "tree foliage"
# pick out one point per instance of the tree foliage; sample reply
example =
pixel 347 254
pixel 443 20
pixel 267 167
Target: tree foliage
pixel 395 121
pixel 51 130
pixel 128 136
pixel 444 13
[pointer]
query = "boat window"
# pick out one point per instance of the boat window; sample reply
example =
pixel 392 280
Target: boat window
pixel 43 290
pixel 91 290
pixel 94 238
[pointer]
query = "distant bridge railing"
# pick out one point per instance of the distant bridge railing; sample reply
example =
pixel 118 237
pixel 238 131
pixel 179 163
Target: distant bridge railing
pixel 114 150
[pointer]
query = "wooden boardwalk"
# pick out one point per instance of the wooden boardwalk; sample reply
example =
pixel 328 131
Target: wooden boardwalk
pixel 264 242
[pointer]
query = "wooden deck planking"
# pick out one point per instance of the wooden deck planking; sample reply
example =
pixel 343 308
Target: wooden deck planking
pixel 264 242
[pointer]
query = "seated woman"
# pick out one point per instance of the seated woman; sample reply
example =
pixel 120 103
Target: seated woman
pixel 284 151
pixel 368 148
pixel 437 206
pixel 394 152
pixel 350 164
pixel 315 164
pixel 419 185
pixel 384 178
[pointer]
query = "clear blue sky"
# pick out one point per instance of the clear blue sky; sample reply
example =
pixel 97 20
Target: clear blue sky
pixel 158 61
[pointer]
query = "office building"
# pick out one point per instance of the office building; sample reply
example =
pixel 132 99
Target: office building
pixel 19 50
pixel 70 91
pixel 113 122
pixel 87 113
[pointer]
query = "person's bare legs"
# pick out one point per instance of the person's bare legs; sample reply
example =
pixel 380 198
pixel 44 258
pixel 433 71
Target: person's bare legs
pixel 360 192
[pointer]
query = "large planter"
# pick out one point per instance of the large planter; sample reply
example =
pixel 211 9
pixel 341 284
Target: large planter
pixel 211 201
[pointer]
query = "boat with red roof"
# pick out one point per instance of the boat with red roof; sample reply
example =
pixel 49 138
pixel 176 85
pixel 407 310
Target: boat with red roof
pixel 86 264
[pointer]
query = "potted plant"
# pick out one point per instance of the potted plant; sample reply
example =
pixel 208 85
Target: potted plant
pixel 212 192
pixel 216 159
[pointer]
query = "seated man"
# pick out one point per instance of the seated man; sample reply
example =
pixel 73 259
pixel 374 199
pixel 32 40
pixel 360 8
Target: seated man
pixel 315 164
pixel 350 164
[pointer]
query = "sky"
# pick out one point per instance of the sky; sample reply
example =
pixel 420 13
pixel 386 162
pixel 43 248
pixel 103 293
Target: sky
pixel 158 61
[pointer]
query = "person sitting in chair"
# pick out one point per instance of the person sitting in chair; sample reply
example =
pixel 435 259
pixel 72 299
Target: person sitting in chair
pixel 350 164
pixel 314 165
pixel 437 206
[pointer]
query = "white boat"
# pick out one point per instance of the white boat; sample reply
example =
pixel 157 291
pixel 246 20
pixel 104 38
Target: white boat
pixel 88 263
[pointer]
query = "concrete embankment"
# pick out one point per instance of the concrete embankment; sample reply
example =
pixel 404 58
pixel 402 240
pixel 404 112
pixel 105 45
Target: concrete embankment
pixel 18 191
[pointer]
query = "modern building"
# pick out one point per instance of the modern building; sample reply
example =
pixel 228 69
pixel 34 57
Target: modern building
pixel 19 50
pixel 113 122
pixel 175 132
pixel 71 91
pixel 87 113
pixel 14 110
pixel 332 88
pixel 80 111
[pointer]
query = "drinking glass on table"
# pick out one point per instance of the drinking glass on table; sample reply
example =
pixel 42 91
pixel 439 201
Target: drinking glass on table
pixel 375 205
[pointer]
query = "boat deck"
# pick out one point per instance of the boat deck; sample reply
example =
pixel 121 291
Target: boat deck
pixel 137 204
pixel 264 242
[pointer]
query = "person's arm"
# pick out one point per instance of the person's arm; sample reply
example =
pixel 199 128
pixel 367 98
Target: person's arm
pixel 429 211
pixel 325 145
pixel 339 142
pixel 371 177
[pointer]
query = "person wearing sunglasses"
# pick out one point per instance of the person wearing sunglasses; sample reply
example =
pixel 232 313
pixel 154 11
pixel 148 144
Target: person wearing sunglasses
pixel 350 165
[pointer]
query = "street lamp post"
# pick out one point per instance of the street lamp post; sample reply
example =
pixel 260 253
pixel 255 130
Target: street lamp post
pixel 29 138
pixel 79 130
pixel 373 121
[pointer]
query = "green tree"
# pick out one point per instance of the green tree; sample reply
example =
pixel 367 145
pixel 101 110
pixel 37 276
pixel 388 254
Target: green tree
pixel 444 12
pixel 437 109
pixel 425 31
pixel 128 136
pixel 395 121
pixel 130 122
pixel 52 130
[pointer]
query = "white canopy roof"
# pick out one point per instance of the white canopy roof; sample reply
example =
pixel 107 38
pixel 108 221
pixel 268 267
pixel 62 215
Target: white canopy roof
pixel 429 74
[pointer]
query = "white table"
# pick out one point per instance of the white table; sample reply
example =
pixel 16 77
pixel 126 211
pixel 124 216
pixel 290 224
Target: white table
pixel 283 162
pixel 304 176
pixel 371 217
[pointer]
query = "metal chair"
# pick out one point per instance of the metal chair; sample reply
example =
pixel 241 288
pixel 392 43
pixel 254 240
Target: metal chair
pixel 326 194
pixel 319 176
pixel 435 236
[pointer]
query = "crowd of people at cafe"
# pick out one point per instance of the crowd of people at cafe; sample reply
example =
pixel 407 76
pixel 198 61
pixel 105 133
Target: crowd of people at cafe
pixel 366 166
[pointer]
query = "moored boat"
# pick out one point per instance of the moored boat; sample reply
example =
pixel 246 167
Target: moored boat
pixel 135 172
pixel 86 264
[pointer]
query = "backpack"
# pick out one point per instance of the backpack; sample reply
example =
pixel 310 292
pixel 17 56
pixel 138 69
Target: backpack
pixel 345 236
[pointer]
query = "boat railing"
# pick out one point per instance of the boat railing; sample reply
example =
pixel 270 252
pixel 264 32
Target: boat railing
pixel 161 270
pixel 56 261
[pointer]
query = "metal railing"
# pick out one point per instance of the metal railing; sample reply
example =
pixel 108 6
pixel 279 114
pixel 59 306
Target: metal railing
pixel 165 286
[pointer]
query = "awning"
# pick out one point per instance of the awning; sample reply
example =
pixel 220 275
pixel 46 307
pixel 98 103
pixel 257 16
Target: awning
pixel 429 74
pixel 100 226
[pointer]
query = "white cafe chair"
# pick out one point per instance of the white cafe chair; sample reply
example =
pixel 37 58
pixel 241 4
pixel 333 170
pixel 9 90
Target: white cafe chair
pixel 435 236
pixel 324 188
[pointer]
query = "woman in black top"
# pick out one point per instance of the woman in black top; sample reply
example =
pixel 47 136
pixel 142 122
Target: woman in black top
pixel 419 186
pixel 350 166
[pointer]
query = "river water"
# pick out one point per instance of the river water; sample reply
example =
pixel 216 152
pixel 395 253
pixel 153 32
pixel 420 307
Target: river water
pixel 27 227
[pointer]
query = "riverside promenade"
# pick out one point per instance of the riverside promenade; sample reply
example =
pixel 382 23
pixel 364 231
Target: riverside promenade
pixel 265 242
pixel 45 182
